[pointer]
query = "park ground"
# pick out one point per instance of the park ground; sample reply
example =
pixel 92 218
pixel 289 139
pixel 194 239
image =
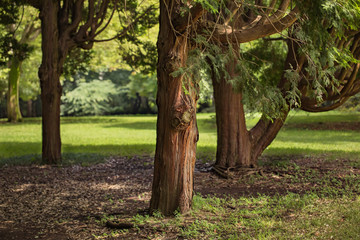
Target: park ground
pixel 307 185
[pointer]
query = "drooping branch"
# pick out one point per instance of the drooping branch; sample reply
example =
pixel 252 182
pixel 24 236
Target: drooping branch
pixel 347 79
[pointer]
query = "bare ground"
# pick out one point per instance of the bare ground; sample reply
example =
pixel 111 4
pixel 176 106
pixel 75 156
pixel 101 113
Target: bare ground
pixel 56 203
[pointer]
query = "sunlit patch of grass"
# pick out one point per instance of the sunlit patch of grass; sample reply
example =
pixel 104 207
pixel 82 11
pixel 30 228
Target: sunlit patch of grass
pixel 290 216
pixel 136 135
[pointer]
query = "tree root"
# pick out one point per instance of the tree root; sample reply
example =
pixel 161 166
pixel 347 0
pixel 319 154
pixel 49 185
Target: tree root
pixel 228 173
pixel 119 225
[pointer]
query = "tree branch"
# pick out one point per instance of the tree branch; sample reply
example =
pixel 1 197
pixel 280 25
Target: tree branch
pixel 246 35
pixel 125 30
pixel 181 23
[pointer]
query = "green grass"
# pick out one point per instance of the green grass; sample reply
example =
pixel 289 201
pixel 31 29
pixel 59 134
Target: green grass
pixel 291 216
pixel 94 138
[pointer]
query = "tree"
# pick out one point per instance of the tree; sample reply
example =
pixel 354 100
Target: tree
pixel 235 143
pixel 177 132
pixel 180 40
pixel 66 25
pixel 311 78
pixel 20 51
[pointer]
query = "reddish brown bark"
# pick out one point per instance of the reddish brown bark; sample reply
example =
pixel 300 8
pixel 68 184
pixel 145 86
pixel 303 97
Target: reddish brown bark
pixel 237 146
pixel 176 125
pixel 233 142
pixel 63 28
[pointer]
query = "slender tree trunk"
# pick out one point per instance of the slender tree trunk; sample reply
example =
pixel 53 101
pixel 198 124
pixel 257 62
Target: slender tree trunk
pixel 13 106
pixel 29 108
pixel 49 74
pixel 176 125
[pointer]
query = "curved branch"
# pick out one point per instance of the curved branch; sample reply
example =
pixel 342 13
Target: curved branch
pixel 225 35
pixel 314 108
pixel 264 136
pixel 125 30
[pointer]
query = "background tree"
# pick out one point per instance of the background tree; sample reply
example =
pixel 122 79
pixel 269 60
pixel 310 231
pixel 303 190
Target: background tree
pixel 18 28
pixel 29 80
pixel 66 25
pixel 22 34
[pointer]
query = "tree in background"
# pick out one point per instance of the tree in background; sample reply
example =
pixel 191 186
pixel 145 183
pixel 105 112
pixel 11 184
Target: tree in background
pixel 22 35
pixel 18 29
pixel 66 25
pixel 29 80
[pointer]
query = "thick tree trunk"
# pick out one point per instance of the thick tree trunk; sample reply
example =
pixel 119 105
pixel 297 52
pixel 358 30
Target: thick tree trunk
pixel 233 140
pixel 238 147
pixel 13 106
pixel 176 126
pixel 49 74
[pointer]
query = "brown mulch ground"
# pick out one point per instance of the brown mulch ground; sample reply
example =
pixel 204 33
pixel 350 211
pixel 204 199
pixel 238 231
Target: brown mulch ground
pixel 56 203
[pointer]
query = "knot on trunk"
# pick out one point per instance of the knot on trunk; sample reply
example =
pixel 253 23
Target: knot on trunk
pixel 182 118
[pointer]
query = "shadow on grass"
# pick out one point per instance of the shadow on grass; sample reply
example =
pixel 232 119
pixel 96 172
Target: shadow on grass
pixel 27 153
pixel 320 136
pixel 316 118
pixel 143 125
pixel 308 151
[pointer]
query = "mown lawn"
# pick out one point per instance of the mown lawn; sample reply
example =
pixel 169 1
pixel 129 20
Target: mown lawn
pixel 91 138
pixel 308 186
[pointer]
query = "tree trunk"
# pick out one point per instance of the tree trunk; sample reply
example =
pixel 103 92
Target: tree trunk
pixel 233 141
pixel 176 125
pixel 13 106
pixel 49 74
pixel 238 147
pixel 29 104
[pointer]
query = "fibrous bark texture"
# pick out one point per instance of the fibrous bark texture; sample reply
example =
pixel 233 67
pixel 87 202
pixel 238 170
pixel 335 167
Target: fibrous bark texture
pixel 65 25
pixel 237 146
pixel 176 125
pixel 49 74
pixel 233 142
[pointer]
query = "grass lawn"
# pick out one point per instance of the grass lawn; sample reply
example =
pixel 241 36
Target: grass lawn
pixel 89 139
pixel 308 188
